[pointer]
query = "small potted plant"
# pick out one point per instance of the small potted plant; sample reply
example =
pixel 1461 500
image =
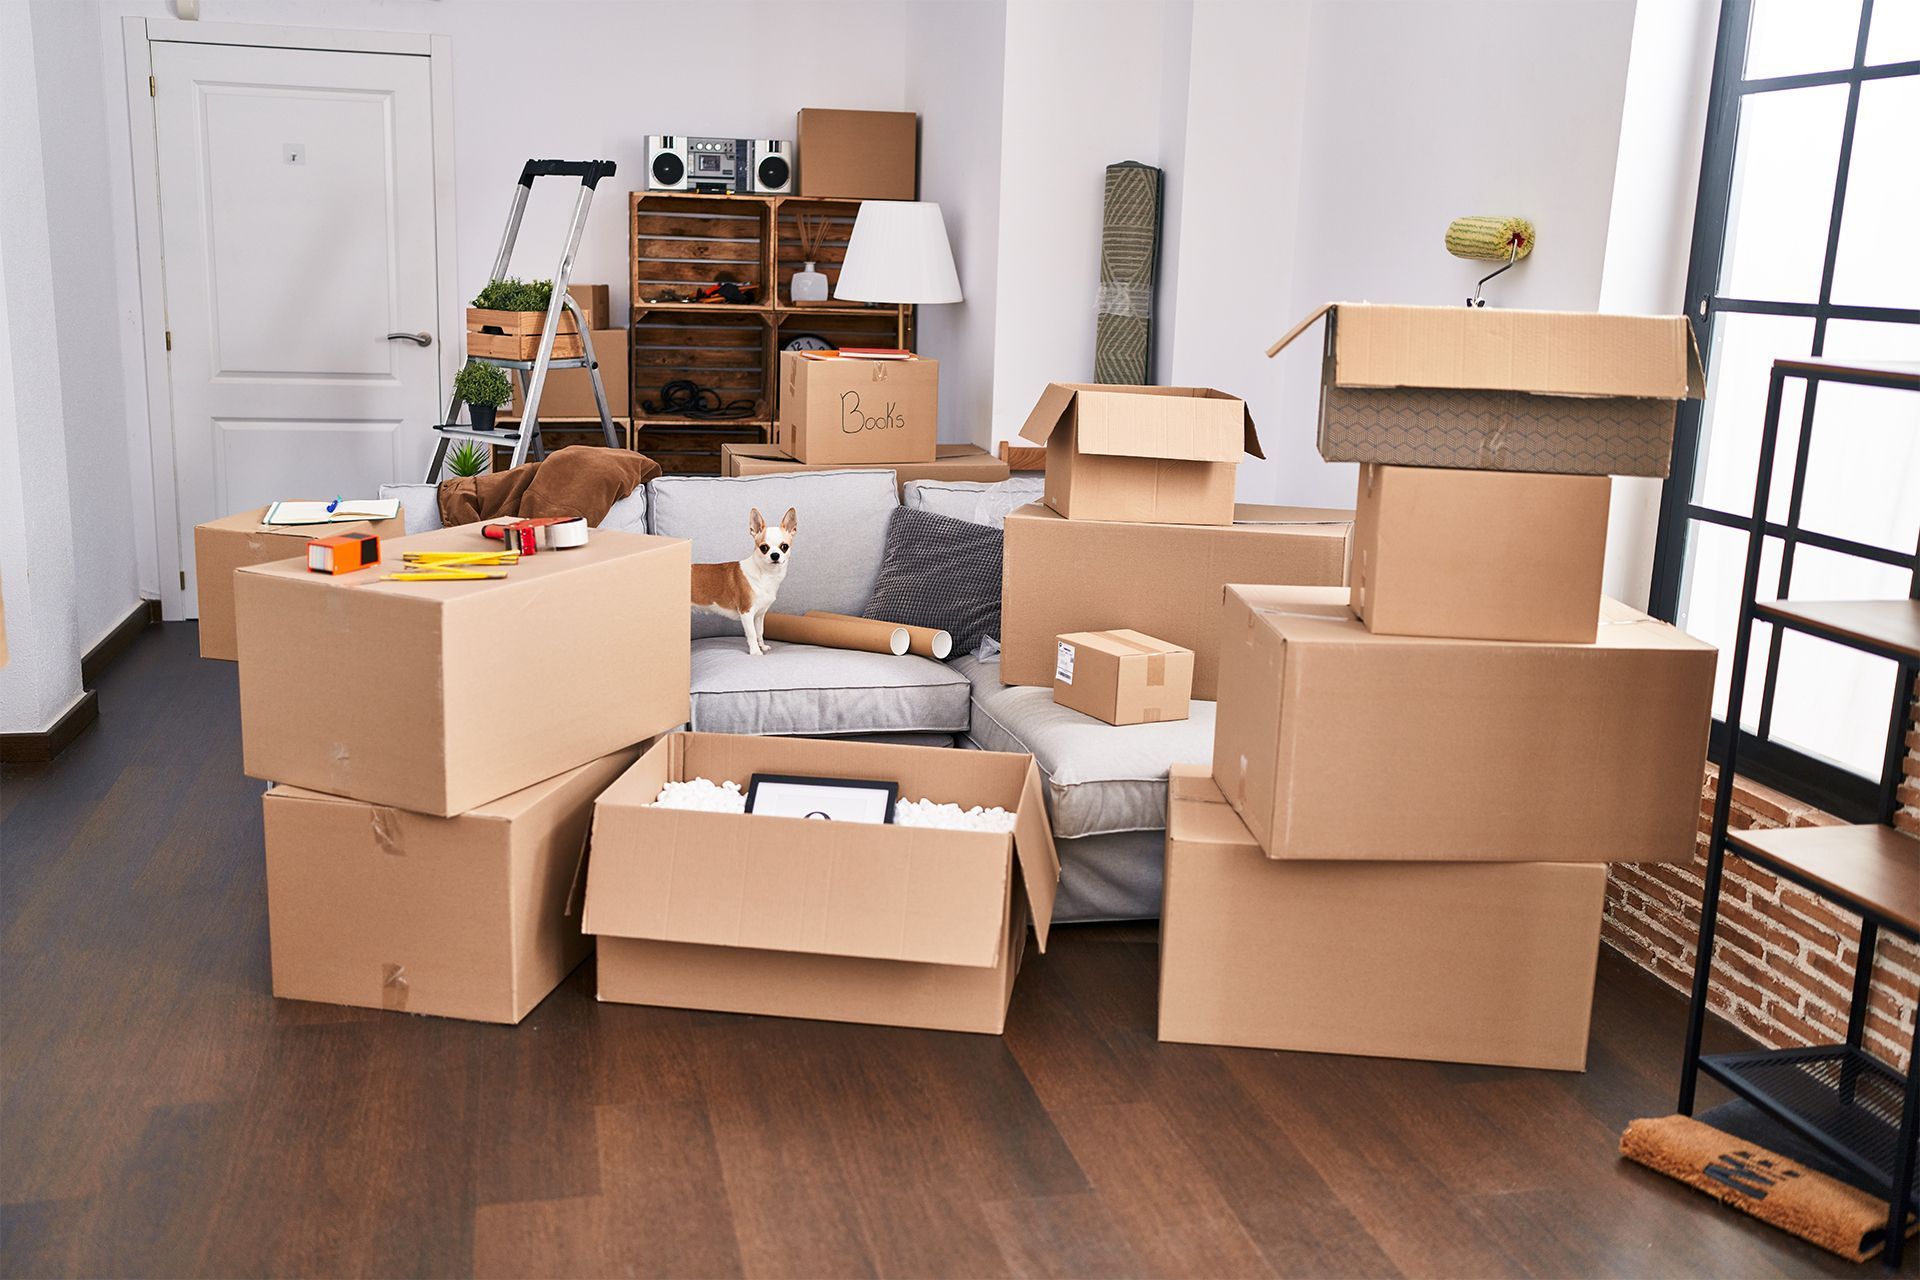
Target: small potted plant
pixel 484 388
pixel 467 459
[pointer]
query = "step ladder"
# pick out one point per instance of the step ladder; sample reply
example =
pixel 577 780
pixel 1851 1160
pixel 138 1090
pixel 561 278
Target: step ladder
pixel 532 374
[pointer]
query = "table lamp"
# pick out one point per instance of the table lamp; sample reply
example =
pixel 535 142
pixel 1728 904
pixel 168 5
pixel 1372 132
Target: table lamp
pixel 898 253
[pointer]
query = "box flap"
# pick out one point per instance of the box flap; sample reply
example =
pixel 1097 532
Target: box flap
pixel 1039 860
pixel 1047 412
pixel 1286 339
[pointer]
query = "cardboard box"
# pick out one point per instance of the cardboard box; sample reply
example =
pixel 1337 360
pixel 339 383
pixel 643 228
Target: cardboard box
pixel 903 926
pixel 569 392
pixel 464 917
pixel 1156 455
pixel 1500 390
pixel 595 303
pixel 1446 961
pixel 847 410
pixel 961 462
pixel 868 155
pixel 1490 555
pixel 1122 677
pixel 1063 575
pixel 223 545
pixel 442 696
pixel 1334 742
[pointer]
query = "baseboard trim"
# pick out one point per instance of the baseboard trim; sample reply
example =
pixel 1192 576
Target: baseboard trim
pixel 39 748
pixel 116 641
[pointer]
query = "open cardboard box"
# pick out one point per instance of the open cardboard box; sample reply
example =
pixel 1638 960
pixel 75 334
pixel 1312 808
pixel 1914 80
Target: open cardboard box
pixel 903 926
pixel 1566 392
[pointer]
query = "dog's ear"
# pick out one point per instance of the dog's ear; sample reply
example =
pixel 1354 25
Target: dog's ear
pixel 790 522
pixel 755 525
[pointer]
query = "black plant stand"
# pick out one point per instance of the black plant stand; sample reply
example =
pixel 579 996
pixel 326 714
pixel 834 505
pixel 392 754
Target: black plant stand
pixel 1850 1104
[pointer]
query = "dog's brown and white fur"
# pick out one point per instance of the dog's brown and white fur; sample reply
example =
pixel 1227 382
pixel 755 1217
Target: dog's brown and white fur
pixel 744 589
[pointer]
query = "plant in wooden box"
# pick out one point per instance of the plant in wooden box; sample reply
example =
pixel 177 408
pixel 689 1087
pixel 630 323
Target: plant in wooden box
pixel 506 319
pixel 809 285
pixel 485 389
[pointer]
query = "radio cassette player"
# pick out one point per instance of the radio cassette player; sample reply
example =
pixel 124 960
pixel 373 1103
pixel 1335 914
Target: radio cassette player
pixel 719 166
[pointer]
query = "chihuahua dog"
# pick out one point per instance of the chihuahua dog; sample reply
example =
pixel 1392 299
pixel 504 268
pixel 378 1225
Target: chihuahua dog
pixel 744 589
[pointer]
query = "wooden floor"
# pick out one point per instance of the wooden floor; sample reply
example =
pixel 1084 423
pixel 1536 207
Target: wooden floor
pixel 165 1116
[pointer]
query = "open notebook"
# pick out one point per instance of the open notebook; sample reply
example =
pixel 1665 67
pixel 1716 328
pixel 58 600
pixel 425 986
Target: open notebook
pixel 331 513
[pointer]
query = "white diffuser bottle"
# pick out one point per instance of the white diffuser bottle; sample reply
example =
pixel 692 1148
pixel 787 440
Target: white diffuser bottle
pixel 809 285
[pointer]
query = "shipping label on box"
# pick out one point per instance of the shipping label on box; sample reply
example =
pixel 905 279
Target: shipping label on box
pixel 1122 676
pixel 846 921
pixel 1549 391
pixel 1488 555
pixel 1162 455
pixel 1333 742
pixel 963 463
pixel 221 546
pixel 1063 575
pixel 1461 962
pixel 848 410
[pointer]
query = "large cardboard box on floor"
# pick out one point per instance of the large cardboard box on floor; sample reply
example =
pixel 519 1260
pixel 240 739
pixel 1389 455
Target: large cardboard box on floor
pixel 569 392
pixel 1501 390
pixel 867 155
pixel 1448 961
pixel 221 546
pixel 903 926
pixel 1061 575
pixel 844 409
pixel 1159 455
pixel 1334 742
pixel 465 917
pixel 1489 555
pixel 441 696
pixel 1122 676
pixel 959 462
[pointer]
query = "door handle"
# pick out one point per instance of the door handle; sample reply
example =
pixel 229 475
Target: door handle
pixel 424 338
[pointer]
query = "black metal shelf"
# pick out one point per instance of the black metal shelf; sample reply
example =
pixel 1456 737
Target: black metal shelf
pixel 1843 1100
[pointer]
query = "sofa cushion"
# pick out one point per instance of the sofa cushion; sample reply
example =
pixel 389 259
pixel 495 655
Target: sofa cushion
pixel 979 501
pixel 804 690
pixel 1120 876
pixel 940 572
pixel 420 504
pixel 1100 778
pixel 836 556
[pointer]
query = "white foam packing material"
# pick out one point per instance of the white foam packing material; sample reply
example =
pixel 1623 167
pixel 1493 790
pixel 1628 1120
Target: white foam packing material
pixel 713 797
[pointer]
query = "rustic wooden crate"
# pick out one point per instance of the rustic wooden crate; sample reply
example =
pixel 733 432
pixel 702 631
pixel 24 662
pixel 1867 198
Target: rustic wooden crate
pixel 515 335
pixel 690 451
pixel 679 243
pixel 709 346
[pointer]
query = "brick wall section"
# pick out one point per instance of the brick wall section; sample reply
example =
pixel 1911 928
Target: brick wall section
pixel 1783 957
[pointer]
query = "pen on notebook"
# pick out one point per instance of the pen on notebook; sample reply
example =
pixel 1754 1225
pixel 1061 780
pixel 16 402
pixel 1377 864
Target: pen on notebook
pixel 335 504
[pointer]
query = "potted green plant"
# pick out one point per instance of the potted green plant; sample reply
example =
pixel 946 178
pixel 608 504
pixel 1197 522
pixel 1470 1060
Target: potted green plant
pixel 466 459
pixel 484 388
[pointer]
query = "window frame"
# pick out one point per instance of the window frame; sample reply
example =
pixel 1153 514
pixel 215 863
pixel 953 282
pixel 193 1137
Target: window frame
pixel 1820 782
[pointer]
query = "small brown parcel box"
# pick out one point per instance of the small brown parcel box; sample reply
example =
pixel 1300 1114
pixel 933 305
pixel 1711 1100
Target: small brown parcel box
pixel 569 392
pixel 221 546
pixel 1061 575
pixel 743 913
pixel 962 462
pixel 1488 555
pixel 845 409
pixel 1154 455
pixel 868 155
pixel 1483 962
pixel 1122 677
pixel 441 696
pixel 595 303
pixel 465 917
pixel 1574 393
pixel 1334 742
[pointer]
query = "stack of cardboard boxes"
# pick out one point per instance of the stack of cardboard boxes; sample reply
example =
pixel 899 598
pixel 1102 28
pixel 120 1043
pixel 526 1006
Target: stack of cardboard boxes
pixel 1417 783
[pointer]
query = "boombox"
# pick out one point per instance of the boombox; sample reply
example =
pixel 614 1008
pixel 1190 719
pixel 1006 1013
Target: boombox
pixel 719 165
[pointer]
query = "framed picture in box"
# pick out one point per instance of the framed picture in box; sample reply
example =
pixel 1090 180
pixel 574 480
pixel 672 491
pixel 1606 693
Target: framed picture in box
pixel 776 795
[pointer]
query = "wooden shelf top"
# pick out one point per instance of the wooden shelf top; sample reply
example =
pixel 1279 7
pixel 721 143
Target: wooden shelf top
pixel 744 197
pixel 678 422
pixel 719 308
pixel 1890 626
pixel 1870 866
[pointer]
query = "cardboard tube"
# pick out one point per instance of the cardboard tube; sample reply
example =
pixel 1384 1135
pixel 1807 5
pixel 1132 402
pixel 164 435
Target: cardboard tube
pixel 928 642
pixel 837 633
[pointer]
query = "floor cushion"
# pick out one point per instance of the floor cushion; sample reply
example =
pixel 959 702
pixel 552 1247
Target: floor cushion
pixel 1100 778
pixel 843 531
pixel 805 690
pixel 1111 877
pixel 982 502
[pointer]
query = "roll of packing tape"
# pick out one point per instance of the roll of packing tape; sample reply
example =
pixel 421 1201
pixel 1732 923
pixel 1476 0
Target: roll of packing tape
pixel 567 534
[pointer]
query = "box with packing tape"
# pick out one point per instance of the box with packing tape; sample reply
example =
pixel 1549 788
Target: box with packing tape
pixel 1158 455
pixel 852 409
pixel 439 696
pixel 1574 393
pixel 1334 742
pixel 221 546
pixel 1061 575
pixel 901 925
pixel 1448 961
pixel 1122 676
pixel 1486 555
pixel 464 917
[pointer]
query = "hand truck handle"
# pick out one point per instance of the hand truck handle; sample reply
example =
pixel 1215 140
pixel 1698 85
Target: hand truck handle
pixel 588 171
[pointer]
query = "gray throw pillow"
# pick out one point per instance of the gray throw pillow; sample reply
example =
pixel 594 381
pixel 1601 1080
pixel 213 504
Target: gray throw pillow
pixel 940 572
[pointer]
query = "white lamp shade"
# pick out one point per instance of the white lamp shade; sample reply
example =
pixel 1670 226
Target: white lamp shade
pixel 898 253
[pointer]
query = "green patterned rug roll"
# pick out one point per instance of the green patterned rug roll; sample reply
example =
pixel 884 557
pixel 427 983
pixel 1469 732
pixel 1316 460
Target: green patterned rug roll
pixel 1129 259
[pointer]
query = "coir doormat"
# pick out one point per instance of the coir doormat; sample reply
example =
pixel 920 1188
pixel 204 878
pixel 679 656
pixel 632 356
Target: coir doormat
pixel 1746 1176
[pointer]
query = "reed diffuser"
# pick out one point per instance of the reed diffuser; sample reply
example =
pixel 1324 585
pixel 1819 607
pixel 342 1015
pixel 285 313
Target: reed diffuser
pixel 810 285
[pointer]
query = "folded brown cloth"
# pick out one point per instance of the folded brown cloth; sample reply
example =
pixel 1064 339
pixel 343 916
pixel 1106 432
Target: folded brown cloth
pixel 580 480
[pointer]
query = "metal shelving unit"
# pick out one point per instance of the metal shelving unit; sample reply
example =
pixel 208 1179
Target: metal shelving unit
pixel 1851 1105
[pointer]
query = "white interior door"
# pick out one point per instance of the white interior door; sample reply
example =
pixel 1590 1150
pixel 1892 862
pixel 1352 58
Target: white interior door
pixel 297 233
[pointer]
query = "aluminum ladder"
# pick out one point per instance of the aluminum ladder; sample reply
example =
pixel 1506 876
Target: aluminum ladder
pixel 533 373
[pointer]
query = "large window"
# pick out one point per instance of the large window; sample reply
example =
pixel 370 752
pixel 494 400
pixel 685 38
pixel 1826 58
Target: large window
pixel 1806 242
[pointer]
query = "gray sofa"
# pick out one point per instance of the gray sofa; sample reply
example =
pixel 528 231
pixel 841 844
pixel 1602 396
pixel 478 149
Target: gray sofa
pixel 1106 786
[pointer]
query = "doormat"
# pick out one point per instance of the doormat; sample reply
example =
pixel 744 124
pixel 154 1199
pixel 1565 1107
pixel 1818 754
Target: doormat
pixel 1744 1175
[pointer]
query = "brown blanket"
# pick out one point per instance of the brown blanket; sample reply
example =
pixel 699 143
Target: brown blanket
pixel 580 480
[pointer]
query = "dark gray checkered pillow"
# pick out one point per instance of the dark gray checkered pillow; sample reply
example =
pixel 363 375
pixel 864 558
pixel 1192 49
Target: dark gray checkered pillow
pixel 940 572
